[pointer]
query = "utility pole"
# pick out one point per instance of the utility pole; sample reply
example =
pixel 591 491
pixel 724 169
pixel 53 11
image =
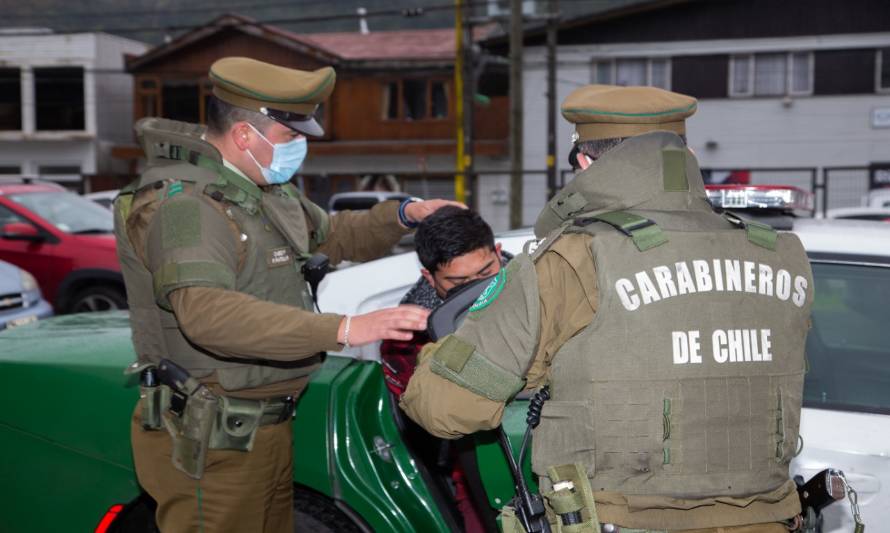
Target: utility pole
pixel 552 25
pixel 460 191
pixel 469 94
pixel 515 113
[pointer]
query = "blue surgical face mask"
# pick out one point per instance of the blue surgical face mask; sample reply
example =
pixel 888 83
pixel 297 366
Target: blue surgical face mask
pixel 287 158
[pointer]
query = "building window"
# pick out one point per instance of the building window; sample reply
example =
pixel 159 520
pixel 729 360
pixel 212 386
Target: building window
pixel 420 100
pixel 882 78
pixel 59 99
pixel 771 74
pixel 502 7
pixel 10 99
pixel 414 98
pixel 390 104
pixel 181 100
pixel 148 97
pixel 633 72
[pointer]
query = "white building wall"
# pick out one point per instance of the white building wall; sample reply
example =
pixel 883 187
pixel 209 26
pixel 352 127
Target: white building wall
pixel 114 96
pixel 88 148
pixel 800 131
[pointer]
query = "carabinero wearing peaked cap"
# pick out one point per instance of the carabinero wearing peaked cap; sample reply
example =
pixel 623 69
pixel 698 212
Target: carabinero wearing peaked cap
pixel 286 95
pixel 671 338
pixel 608 111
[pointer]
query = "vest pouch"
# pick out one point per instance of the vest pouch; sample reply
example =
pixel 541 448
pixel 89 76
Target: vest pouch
pixel 237 424
pixel 509 521
pixel 191 432
pixel 564 436
pixel 287 216
pixel 570 506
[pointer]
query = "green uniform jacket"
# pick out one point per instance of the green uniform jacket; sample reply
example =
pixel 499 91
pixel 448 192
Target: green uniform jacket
pixel 675 427
pixel 212 265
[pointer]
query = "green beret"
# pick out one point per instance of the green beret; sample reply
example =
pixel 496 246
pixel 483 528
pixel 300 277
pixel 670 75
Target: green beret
pixel 287 95
pixel 610 111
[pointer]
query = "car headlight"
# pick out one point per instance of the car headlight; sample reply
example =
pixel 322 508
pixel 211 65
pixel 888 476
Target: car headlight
pixel 28 282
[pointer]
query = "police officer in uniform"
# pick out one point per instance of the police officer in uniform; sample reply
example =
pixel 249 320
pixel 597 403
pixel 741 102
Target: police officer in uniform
pixel 212 240
pixel 671 338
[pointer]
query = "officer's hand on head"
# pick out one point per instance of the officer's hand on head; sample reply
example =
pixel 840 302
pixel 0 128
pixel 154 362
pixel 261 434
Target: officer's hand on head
pixel 396 323
pixel 417 211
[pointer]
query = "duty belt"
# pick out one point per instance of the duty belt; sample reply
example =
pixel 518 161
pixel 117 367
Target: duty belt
pixel 271 411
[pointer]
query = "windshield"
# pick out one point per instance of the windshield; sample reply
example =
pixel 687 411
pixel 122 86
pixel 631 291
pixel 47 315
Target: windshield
pixel 68 212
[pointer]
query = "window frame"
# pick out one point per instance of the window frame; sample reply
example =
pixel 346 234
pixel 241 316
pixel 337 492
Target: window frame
pixel 879 60
pixel 35 69
pixel 789 74
pixel 138 108
pixel 612 62
pixel 21 101
pixel 400 89
pixel 846 260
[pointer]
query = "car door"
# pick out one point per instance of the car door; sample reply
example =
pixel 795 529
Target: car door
pixel 35 257
pixel 846 418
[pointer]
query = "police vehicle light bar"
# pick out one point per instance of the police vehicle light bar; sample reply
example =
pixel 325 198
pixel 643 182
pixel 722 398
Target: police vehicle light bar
pixel 775 197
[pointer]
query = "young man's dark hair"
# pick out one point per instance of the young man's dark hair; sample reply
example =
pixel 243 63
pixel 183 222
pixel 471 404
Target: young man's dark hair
pixel 448 233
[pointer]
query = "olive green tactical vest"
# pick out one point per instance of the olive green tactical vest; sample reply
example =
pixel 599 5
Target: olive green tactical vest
pixel 688 381
pixel 272 226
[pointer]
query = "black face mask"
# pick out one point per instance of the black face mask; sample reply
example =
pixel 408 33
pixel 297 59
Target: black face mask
pixel 454 290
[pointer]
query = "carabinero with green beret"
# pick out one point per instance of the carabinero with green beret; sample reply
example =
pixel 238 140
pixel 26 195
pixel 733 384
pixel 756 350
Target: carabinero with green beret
pixel 671 339
pixel 213 238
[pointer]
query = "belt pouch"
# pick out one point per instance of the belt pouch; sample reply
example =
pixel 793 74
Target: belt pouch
pixel 191 433
pixel 237 424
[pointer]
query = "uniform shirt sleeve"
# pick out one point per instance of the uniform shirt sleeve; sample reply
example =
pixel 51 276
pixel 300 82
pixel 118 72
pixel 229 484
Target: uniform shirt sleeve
pixel 363 235
pixel 233 324
pixel 448 410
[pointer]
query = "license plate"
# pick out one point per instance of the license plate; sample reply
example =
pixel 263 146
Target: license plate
pixel 21 321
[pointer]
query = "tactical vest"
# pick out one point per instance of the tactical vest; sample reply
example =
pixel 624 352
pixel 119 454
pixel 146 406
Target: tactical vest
pixel 277 227
pixel 688 381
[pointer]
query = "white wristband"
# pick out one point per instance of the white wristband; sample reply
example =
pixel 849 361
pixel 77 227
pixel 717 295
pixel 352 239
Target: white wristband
pixel 346 332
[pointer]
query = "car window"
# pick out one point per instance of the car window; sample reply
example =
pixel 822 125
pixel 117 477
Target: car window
pixel 68 212
pixel 354 203
pixel 848 348
pixel 8 217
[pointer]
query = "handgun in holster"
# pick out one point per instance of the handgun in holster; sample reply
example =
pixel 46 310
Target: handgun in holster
pixel 189 418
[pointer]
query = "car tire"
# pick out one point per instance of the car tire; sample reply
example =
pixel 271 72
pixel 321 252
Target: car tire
pixel 97 298
pixel 318 513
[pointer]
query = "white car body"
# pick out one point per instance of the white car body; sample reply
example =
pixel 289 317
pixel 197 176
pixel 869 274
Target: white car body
pixel 857 443
pixel 103 198
pixel 881 214
pixel 878 198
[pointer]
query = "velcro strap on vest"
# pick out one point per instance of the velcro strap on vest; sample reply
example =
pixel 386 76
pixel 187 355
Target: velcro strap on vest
pixel 172 276
pixel 234 188
pixel 760 234
pixel 568 206
pixel 458 361
pixel 645 233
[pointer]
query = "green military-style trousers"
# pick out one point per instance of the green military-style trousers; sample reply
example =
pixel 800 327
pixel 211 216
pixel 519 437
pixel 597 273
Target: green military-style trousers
pixel 239 492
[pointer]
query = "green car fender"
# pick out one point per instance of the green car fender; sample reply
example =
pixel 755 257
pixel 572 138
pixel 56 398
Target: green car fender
pixel 347 446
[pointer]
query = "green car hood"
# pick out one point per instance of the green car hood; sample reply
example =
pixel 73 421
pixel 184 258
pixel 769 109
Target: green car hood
pixel 65 372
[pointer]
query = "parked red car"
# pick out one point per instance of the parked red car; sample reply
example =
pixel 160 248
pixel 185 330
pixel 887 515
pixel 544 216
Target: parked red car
pixel 66 242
